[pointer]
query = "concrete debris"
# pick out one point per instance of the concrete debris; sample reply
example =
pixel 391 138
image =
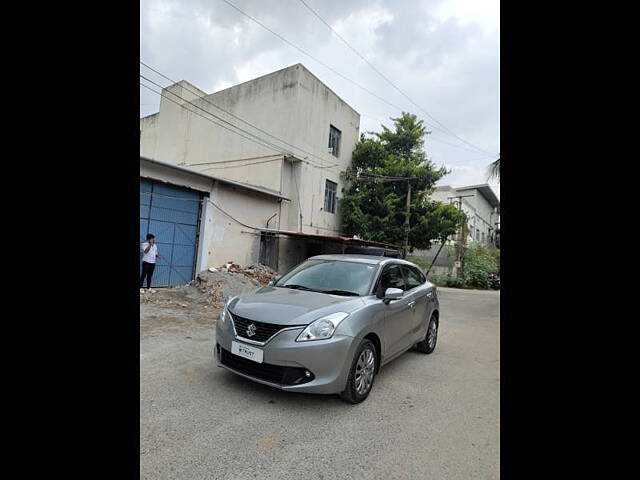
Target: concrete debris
pixel 231 279
pixel 212 287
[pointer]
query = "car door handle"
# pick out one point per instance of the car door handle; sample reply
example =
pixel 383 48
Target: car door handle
pixel 430 294
pixel 412 303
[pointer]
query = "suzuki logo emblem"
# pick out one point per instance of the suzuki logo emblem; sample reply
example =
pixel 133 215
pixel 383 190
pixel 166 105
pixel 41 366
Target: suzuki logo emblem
pixel 251 330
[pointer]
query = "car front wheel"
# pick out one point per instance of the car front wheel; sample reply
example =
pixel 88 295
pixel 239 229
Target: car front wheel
pixel 428 345
pixel 362 373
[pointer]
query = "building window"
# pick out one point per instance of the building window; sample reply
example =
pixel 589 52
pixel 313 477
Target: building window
pixel 330 190
pixel 483 237
pixel 334 141
pixel 477 235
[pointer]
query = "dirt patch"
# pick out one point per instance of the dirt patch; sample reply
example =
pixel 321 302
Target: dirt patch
pixel 198 303
pixel 175 309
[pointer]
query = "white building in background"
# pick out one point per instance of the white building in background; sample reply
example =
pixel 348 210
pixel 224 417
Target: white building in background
pixel 481 205
pixel 283 138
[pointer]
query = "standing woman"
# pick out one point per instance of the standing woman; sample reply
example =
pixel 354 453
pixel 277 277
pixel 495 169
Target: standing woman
pixel 149 256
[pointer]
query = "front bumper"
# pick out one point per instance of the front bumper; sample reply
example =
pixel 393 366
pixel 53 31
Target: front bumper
pixel 328 360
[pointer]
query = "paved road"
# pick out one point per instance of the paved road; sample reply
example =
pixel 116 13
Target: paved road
pixel 428 416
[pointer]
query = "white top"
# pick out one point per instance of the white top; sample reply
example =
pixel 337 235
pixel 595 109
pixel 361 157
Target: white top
pixel 150 256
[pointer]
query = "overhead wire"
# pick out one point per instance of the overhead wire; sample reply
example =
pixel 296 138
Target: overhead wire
pixel 275 147
pixel 444 127
pixel 434 138
pixel 240 119
pixel 208 200
pixel 242 165
pixel 288 42
pixel 210 120
pixel 255 139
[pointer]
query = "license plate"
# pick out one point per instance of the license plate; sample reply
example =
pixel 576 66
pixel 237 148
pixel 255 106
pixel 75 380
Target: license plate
pixel 242 350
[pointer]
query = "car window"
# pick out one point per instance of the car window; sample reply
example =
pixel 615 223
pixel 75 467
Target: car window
pixel 392 278
pixel 321 275
pixel 414 277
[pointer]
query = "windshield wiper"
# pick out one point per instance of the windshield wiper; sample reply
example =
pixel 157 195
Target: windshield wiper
pixel 341 292
pixel 298 287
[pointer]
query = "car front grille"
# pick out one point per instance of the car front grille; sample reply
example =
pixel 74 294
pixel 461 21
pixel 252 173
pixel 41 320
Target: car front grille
pixel 264 371
pixel 263 331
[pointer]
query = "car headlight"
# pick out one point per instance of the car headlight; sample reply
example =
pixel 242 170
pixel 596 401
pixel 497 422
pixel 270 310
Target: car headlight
pixel 322 328
pixel 225 312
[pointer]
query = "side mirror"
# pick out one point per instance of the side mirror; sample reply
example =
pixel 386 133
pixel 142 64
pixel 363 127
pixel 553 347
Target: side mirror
pixel 392 294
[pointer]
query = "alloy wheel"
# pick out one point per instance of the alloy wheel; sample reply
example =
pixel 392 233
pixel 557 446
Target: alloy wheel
pixel 365 369
pixel 432 334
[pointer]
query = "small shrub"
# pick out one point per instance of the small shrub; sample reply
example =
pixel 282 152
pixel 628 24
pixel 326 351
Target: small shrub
pixel 455 282
pixel 447 281
pixel 479 263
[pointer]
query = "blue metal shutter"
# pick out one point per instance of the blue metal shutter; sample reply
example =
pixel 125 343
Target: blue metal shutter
pixel 172 214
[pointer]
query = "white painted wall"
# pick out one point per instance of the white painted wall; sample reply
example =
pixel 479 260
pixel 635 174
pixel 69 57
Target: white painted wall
pixel 482 211
pixel 221 238
pixel 175 177
pixel 229 239
pixel 291 104
pixel 478 210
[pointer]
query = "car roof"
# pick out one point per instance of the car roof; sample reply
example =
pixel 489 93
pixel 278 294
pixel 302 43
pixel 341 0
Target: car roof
pixel 370 259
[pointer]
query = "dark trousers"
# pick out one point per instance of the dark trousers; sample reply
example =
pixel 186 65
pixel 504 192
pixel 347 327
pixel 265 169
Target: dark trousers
pixel 147 271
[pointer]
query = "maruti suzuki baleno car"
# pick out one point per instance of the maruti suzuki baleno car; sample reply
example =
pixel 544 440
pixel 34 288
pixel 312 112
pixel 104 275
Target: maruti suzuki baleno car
pixel 329 324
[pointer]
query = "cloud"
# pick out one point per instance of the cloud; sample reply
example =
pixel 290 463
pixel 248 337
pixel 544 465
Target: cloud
pixel 443 53
pixel 462 175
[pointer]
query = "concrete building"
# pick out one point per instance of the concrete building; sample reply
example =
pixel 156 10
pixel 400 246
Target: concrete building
pixel 179 207
pixel 262 161
pixel 481 205
pixel 482 208
pixel 301 117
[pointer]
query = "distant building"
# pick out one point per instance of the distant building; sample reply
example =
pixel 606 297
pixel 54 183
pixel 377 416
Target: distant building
pixel 482 207
pixel 265 172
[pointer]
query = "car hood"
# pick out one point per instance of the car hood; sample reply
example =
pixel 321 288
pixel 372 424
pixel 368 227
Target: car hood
pixel 286 306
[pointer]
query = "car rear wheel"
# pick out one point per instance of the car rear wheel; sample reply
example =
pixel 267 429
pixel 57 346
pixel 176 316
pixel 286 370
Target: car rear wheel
pixel 428 345
pixel 362 373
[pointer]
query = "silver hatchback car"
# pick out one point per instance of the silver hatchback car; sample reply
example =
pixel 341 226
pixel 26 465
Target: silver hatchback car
pixel 329 324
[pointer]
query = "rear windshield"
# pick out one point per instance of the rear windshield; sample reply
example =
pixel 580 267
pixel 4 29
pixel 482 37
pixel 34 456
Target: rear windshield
pixel 330 276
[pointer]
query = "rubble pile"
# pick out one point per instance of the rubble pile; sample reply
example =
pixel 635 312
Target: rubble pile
pixel 263 274
pixel 218 284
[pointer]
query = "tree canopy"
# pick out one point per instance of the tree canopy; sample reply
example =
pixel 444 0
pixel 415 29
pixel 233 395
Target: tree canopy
pixel 494 170
pixel 374 204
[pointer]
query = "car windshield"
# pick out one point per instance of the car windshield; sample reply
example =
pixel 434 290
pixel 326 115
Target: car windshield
pixel 338 277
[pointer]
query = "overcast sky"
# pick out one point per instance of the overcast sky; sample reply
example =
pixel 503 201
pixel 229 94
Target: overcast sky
pixel 444 54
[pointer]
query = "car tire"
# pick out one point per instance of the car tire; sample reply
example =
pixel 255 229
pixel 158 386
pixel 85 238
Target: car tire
pixel 358 388
pixel 428 345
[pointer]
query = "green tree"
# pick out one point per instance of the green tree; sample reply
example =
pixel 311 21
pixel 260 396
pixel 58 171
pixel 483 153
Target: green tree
pixel 374 204
pixel 494 170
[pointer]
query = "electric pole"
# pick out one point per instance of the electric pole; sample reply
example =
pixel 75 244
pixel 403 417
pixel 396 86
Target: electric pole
pixel 406 220
pixel 460 253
